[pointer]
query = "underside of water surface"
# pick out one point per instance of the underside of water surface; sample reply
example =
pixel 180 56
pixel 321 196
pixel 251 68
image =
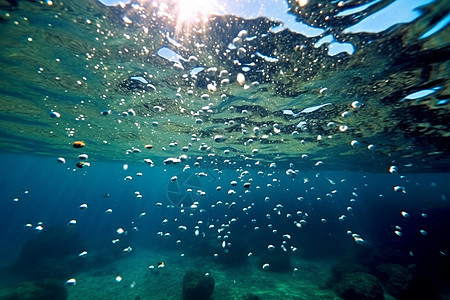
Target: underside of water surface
pixel 122 77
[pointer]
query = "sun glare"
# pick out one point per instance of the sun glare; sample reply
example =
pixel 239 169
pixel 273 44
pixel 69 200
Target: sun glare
pixel 192 11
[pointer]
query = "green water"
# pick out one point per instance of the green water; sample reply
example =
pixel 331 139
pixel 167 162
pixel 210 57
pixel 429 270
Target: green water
pixel 75 57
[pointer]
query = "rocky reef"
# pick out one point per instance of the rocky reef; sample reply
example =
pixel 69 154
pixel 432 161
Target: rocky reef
pixel 197 285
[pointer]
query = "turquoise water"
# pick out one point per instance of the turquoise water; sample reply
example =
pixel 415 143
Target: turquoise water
pixel 278 154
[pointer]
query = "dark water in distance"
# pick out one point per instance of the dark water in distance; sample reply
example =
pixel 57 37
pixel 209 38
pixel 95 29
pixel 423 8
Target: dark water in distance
pixel 285 170
pixel 51 193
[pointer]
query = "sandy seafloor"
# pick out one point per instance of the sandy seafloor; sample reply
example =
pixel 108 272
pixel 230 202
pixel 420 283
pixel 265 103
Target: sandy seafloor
pixel 309 282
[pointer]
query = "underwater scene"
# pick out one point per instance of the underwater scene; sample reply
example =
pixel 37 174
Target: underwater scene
pixel 224 150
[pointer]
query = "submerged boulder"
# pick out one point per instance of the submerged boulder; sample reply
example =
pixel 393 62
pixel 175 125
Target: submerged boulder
pixel 403 283
pixel 345 267
pixel 197 285
pixel 397 279
pixel 250 297
pixel 52 253
pixel 359 286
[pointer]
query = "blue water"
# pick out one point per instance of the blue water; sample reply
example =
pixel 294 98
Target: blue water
pixel 52 193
